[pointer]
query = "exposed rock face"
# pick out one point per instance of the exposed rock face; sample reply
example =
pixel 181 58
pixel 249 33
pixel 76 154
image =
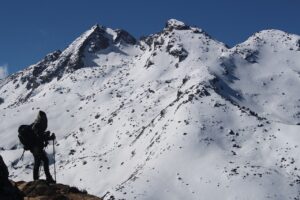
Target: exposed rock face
pixel 59 63
pixel 70 59
pixel 41 190
pixel 177 51
pixel 124 37
pixel 298 45
pixel 31 79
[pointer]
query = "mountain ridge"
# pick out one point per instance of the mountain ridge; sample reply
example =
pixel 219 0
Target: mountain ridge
pixel 174 115
pixel 170 25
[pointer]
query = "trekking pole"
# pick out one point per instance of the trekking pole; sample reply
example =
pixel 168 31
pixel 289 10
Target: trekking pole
pixel 13 164
pixel 54 159
pixel 22 156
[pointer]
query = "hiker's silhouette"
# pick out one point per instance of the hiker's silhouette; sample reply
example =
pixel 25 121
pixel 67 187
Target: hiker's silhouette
pixel 35 138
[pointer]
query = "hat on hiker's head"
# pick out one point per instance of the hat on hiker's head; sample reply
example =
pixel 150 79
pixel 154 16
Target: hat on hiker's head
pixel 41 122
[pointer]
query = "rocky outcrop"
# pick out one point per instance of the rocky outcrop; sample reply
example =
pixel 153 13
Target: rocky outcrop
pixel 41 190
pixel 124 37
pixel 37 190
pixel 34 79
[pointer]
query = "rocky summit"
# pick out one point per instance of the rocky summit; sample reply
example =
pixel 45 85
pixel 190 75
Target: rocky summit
pixel 173 115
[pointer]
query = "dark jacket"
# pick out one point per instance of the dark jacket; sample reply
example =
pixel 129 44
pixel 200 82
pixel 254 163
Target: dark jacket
pixel 39 128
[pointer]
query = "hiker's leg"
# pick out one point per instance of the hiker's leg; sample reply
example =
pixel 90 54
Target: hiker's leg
pixel 37 163
pixel 46 166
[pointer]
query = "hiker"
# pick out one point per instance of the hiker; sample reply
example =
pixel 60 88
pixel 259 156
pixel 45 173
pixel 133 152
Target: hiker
pixel 7 190
pixel 38 141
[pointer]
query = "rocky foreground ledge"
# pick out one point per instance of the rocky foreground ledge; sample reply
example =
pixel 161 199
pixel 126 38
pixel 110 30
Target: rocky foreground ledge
pixel 41 190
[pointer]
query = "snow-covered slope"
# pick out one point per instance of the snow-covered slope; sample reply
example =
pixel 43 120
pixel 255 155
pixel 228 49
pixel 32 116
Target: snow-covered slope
pixel 175 115
pixel 270 82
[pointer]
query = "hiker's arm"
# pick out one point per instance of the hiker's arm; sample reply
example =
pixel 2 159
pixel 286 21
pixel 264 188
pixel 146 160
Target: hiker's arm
pixel 50 137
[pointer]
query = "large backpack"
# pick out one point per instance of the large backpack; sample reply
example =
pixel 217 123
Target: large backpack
pixel 26 136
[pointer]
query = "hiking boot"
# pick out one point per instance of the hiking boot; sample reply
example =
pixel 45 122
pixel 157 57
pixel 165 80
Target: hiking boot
pixel 50 180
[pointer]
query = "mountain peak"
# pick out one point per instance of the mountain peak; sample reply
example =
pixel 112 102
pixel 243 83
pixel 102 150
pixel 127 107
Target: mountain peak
pixel 176 24
pixel 97 27
pixel 271 34
pixel 273 38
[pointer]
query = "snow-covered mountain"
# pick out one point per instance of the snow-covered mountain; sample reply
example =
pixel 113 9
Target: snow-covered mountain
pixel 175 115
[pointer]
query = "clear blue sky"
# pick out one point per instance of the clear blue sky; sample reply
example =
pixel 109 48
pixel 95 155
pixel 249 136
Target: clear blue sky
pixel 29 29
